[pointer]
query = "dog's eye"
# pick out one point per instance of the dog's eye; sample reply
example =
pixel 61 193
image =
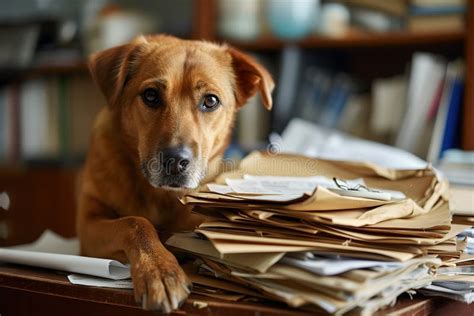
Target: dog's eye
pixel 210 103
pixel 151 97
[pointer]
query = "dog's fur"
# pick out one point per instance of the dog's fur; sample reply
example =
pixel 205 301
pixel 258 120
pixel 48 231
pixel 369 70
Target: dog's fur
pixel 121 203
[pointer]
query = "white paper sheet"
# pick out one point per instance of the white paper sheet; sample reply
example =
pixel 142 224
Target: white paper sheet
pixel 463 296
pixel 306 138
pixel 88 280
pixel 287 186
pixel 219 188
pixel 297 183
pixel 248 186
pixel 49 241
pixel 455 285
pixel 327 266
pixel 51 251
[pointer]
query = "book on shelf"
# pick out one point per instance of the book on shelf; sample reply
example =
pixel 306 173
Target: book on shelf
pixel 392 7
pixel 35 119
pixel 314 90
pixel 4 124
pixel 458 166
pixel 63 128
pixel 83 108
pixel 9 123
pixel 438 3
pixel 432 23
pixel 53 115
pixel 433 15
pixel 290 68
pixel 377 16
pixel 451 135
pixel 356 115
pixel 413 16
pixel 447 115
pixel 376 21
pixel 417 10
pixel 426 77
pixel 253 124
pixel 341 89
pixel 253 119
pixel 461 194
pixel 322 96
pixel 388 105
pixel 434 5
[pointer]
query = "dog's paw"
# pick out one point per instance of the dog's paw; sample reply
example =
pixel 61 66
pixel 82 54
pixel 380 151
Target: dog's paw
pixel 159 284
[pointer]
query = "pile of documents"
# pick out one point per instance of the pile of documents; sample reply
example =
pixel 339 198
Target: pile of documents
pixel 456 282
pixel 462 204
pixel 458 167
pixel 319 234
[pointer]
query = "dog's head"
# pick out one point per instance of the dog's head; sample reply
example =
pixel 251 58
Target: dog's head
pixel 176 101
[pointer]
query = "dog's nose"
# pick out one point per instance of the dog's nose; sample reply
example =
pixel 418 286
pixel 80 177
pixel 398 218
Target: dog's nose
pixel 176 160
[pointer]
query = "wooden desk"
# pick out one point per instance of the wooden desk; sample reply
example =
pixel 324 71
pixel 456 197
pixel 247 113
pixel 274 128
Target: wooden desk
pixel 28 291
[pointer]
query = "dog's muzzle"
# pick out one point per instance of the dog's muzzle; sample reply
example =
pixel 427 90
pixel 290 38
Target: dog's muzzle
pixel 172 168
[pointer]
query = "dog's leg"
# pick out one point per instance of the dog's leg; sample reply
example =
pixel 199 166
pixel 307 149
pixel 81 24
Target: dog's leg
pixel 158 280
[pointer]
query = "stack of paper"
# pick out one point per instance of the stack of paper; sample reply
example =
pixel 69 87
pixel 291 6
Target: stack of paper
pixel 456 282
pixel 462 204
pixel 323 234
pixel 467 238
pixel 458 167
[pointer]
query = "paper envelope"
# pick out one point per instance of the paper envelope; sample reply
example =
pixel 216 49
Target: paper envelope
pixel 415 184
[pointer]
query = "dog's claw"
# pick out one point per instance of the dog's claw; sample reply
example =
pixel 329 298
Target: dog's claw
pixel 160 286
pixel 174 302
pixel 187 289
pixel 166 307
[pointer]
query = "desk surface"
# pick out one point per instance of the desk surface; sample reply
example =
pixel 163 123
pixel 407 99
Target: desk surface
pixel 33 291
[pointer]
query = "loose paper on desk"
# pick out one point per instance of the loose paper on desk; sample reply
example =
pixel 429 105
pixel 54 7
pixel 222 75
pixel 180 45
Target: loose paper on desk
pixel 52 251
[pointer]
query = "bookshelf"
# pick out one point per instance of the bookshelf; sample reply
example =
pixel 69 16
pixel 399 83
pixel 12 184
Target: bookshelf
pixel 58 181
pixel 356 39
pixel 269 43
pixel 205 28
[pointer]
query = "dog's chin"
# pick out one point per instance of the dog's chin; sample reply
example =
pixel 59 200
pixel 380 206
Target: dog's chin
pixel 171 184
pixel 176 189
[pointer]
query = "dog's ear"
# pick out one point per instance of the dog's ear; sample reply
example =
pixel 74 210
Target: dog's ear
pixel 250 77
pixel 111 69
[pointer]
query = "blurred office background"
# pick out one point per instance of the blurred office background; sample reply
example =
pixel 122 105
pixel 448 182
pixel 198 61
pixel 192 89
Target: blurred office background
pixel 398 72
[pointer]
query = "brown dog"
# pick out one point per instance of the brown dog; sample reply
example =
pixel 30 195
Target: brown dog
pixel 171 107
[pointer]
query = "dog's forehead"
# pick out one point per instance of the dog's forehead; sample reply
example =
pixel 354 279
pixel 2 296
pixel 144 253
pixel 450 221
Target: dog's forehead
pixel 183 57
